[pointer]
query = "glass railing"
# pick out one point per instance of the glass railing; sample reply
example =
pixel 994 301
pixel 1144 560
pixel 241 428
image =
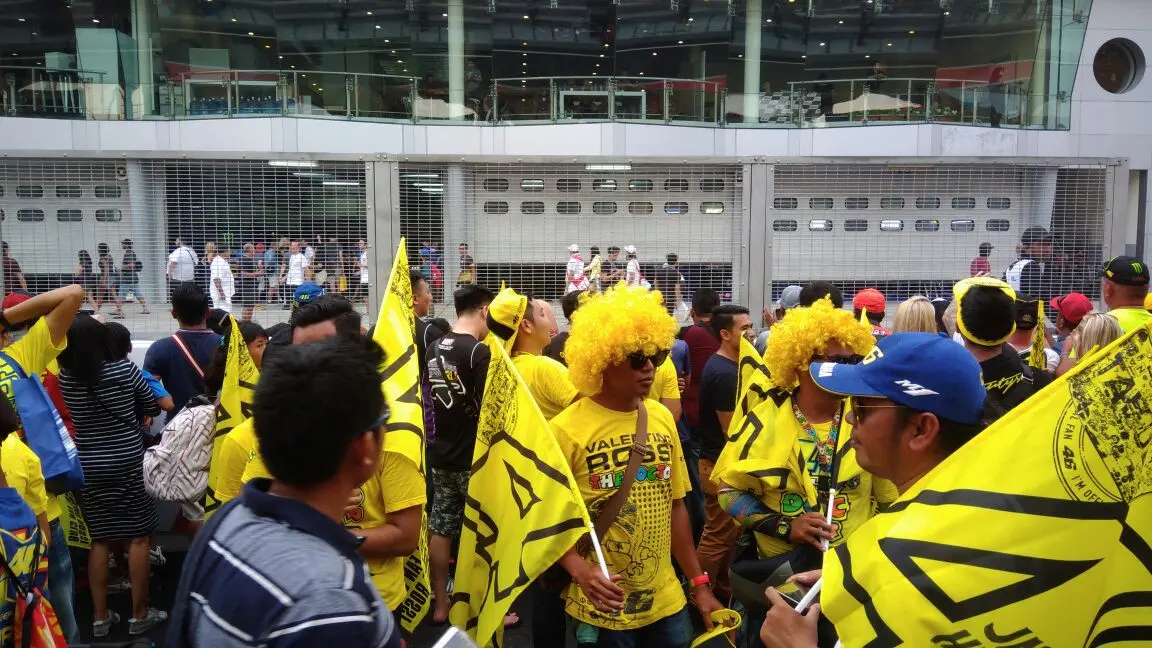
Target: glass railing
pixel 35 92
pixel 554 99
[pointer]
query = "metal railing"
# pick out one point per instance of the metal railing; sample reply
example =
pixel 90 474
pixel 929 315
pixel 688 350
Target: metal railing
pixel 599 98
pixel 33 91
pixel 40 92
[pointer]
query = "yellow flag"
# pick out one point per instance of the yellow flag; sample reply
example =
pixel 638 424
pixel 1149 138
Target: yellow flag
pixel 1035 533
pixel 240 376
pixel 400 380
pixel 73 523
pixel 752 386
pixel 523 510
pixel 1036 357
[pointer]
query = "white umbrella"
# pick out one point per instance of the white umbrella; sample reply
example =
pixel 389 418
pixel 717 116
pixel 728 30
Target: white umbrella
pixel 872 102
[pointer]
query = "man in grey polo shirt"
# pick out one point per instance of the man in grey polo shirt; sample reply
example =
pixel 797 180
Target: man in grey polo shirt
pixel 275 567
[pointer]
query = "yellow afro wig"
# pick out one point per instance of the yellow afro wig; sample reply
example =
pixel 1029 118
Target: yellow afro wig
pixel 610 326
pixel 804 332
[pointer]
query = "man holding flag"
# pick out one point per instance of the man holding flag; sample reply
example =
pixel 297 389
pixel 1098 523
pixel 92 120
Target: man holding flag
pixel 625 454
pixel 1053 551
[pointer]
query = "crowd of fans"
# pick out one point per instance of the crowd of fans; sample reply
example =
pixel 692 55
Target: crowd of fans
pixel 310 549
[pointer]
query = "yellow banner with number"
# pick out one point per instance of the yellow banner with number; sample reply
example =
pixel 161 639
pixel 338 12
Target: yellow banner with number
pixel 752 384
pixel 400 380
pixel 235 406
pixel 1038 532
pixel 523 510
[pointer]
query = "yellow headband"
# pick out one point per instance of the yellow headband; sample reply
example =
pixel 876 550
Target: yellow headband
pixel 962 288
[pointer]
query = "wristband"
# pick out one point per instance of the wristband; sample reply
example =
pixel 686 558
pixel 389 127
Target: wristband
pixel 702 579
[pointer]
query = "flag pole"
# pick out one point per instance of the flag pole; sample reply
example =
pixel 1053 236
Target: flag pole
pixel 599 550
pixel 828 514
pixel 809 597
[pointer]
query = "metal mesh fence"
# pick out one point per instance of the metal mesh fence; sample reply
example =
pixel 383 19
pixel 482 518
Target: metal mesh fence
pixel 917 229
pixel 905 229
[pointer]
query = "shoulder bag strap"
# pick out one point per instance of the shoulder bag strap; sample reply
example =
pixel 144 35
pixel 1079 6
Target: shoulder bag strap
pixel 15 365
pixel 639 449
pixel 188 355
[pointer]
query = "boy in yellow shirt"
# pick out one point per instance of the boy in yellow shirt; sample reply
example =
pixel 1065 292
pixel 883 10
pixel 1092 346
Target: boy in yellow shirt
pixel 617 341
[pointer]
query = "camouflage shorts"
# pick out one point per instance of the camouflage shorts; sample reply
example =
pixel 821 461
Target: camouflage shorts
pixel 449 487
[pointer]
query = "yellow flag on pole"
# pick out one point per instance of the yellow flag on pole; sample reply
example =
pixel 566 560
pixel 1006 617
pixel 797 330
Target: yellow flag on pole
pixel 240 376
pixel 400 380
pixel 1035 533
pixel 523 510
pixel 752 384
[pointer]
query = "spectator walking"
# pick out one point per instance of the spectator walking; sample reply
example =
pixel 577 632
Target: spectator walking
pixel 295 271
pixel 110 401
pixel 363 270
pixel 130 267
pixel 981 266
pixel 670 282
pixel 467 267
pixel 179 361
pixel 109 279
pixel 277 563
pixel 223 282
pixel 274 258
pixel 632 275
pixel 613 269
pixel 574 273
pixel 248 285
pixel 84 276
pixel 13 275
pixel 182 262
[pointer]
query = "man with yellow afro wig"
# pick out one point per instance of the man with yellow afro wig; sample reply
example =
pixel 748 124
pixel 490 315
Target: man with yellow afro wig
pixel 617 341
pixel 790 461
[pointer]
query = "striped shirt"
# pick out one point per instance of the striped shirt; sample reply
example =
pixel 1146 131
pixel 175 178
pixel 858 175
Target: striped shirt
pixel 273 571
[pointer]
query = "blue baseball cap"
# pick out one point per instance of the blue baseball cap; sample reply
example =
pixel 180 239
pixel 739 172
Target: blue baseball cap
pixel 921 371
pixel 305 293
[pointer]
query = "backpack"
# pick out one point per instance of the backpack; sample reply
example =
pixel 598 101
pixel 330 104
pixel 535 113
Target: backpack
pixel 176 470
pixel 45 432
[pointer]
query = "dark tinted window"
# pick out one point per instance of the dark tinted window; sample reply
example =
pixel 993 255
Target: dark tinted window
pixel 675 208
pixel 109 215
pixel 999 203
pixel 963 226
pixel 819 203
pixel 855 225
pixel 892 202
pixel 604 207
pixel 531 207
pixel 68 191
pixel 711 184
pixel 963 202
pixel 29 191
pixel 107 191
pixel 785 203
pixel 495 207
pixel 604 185
pixel 676 184
pixel 927 202
pixel 568 207
pixel 925 225
pixel 997 225
pixel 640 185
pixel 639 208
pixel 856 203
pixel 30 215
pixel 568 184
pixel 495 184
pixel 69 215
pixel 784 225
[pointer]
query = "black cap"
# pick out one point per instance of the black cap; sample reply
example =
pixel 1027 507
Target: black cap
pixel 1126 271
pixel 1035 235
pixel 985 248
pixel 1026 311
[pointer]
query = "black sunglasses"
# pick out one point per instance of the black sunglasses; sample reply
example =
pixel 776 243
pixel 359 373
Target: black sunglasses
pixel 844 360
pixel 638 359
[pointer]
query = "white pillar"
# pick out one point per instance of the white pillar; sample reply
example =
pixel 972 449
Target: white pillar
pixel 142 35
pixel 456 55
pixel 753 23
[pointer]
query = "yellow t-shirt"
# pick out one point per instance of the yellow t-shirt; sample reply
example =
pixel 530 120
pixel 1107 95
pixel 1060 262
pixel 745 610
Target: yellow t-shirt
pixel 548 381
pixel 665 384
pixel 236 450
pixel 22 470
pixel 397 485
pixel 1130 318
pixel 597 443
pixel 34 353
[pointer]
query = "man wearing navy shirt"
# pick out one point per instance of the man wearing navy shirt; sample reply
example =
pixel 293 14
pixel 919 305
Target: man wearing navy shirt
pixel 179 361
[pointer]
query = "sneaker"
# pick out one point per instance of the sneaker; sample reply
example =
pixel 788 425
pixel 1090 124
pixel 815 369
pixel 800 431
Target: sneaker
pixel 151 620
pixel 120 586
pixel 156 556
pixel 102 628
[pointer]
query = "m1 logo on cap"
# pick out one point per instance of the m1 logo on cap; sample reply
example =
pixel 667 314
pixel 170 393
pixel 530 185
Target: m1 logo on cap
pixel 912 389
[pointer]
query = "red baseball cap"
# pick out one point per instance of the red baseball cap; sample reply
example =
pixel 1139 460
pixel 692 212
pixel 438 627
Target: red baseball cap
pixel 1073 307
pixel 870 300
pixel 15 298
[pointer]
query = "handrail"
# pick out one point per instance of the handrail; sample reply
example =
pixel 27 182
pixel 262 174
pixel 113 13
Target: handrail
pixel 40 68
